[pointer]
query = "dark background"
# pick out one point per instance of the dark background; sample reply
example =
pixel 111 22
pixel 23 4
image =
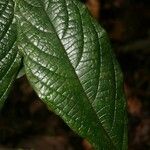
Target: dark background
pixel 25 121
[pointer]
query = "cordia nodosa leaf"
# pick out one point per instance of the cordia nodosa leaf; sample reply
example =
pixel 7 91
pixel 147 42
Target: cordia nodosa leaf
pixel 69 62
pixel 9 56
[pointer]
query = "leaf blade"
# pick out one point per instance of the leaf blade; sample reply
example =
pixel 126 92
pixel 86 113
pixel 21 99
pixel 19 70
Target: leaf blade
pixel 60 58
pixel 9 57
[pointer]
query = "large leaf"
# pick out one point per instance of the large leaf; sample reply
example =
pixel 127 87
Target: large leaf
pixel 70 64
pixel 9 58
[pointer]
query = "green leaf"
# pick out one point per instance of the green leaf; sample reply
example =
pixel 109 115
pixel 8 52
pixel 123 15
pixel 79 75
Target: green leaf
pixel 9 57
pixel 70 64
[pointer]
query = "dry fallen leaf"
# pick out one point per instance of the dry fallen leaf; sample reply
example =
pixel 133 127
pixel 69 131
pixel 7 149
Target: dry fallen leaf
pixel 94 7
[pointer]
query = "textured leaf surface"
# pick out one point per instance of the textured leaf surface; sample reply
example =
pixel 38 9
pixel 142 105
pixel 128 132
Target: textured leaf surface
pixel 9 58
pixel 69 62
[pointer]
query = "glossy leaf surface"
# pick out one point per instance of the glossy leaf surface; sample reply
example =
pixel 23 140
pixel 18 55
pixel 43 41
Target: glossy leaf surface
pixel 9 57
pixel 70 64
